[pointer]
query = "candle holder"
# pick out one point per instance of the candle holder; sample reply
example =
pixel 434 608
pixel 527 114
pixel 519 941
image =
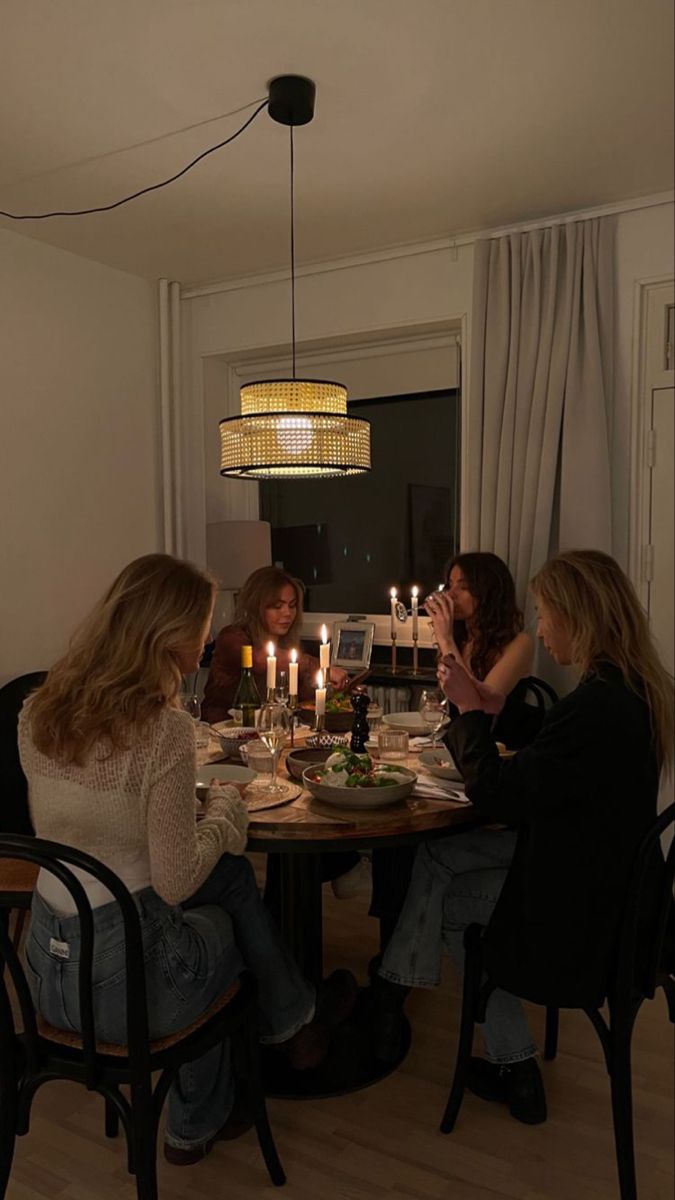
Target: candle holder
pixel 319 722
pixel 270 695
pixel 393 653
pixel 292 705
pixel 415 654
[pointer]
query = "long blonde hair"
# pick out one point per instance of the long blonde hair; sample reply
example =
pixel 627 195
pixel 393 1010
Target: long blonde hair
pixel 606 622
pixel 259 591
pixel 120 668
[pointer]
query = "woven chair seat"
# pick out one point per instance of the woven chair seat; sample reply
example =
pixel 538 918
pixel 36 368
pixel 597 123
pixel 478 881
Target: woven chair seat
pixel 66 1037
pixel 17 876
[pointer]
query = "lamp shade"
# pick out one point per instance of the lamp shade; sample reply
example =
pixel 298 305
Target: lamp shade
pixel 234 549
pixel 294 428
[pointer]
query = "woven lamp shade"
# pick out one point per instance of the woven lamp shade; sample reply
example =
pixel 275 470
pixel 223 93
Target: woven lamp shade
pixel 293 428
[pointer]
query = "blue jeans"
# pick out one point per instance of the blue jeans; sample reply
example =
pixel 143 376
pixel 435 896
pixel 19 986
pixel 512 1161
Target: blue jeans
pixel 192 954
pixel 455 882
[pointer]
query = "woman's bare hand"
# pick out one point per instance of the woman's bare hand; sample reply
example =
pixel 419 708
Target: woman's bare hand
pixel 441 611
pixel 465 692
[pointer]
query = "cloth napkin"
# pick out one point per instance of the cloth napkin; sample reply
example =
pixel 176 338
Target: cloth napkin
pixel 433 788
pixel 419 743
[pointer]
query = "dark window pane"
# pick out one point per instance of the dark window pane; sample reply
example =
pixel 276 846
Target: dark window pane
pixel 350 540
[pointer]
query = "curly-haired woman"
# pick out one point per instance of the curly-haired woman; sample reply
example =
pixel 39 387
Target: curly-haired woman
pixel 477 620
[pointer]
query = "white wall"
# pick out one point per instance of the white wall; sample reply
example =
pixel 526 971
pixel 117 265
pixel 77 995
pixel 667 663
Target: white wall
pixel 78 441
pixel 397 292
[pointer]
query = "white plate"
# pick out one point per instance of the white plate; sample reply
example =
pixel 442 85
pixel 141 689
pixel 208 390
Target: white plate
pixel 224 774
pixel 410 721
pixel 344 797
pixel 440 763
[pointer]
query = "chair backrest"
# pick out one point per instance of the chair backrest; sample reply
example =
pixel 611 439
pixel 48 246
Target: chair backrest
pixel 58 860
pixel 648 905
pixel 542 691
pixel 14 815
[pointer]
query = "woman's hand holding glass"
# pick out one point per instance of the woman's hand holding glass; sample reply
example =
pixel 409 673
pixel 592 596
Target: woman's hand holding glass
pixel 441 612
pixel 274 724
pixel 465 692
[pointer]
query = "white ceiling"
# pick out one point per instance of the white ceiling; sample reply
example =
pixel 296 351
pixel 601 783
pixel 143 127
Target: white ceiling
pixel 433 118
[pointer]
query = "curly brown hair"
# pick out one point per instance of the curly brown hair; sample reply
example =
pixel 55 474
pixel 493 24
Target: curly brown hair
pixel 497 618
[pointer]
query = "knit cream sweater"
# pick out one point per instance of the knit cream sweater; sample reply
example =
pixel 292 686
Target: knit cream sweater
pixel 134 810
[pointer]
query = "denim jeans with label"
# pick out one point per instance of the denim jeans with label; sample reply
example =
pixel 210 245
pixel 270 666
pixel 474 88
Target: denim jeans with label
pixel 455 882
pixel 192 954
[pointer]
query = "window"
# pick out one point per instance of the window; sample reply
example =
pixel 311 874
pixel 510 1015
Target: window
pixel 350 540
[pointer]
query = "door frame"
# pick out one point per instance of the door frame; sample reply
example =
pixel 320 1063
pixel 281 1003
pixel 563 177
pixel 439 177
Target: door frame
pixel 645 378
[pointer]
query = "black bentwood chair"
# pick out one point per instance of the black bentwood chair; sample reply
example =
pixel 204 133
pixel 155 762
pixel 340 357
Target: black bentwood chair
pixel 39 1052
pixel 642 963
pixel 17 879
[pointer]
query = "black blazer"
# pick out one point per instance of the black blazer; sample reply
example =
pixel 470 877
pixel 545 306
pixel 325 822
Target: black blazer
pixel 582 797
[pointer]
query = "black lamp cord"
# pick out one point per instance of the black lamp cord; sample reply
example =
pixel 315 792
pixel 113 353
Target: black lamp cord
pixel 293 250
pixel 82 212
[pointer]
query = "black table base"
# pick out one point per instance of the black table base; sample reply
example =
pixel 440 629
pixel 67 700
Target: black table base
pixel 349 1065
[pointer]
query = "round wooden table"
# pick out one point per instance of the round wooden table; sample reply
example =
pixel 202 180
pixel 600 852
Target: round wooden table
pixel 299 833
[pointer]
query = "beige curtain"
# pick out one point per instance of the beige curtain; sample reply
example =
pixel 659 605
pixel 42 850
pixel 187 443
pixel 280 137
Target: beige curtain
pixel 540 393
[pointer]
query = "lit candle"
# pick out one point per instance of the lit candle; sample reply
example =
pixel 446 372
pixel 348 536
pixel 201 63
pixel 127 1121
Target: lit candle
pixel 441 587
pixel 293 674
pixel 392 594
pixel 271 667
pixel 415 612
pixel 324 650
pixel 320 700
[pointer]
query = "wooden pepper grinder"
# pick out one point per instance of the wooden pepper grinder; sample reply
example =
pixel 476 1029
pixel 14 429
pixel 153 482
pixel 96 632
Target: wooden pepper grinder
pixel 360 727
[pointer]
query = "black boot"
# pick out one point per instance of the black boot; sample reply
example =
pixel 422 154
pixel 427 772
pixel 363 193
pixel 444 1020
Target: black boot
pixel 387 1018
pixel 518 1084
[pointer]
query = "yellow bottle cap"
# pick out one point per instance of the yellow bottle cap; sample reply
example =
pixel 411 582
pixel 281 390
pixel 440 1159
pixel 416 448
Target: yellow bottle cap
pixel 247 656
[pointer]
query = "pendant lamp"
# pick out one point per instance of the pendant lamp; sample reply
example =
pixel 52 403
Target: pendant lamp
pixel 293 428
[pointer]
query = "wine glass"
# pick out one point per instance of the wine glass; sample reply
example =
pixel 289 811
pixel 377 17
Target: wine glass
pixel 433 709
pixel 274 723
pixel 281 690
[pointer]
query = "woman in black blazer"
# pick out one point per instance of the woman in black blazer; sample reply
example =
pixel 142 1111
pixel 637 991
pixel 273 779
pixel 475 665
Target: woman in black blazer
pixel 577 803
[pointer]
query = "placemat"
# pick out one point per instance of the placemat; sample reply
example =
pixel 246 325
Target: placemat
pixel 257 799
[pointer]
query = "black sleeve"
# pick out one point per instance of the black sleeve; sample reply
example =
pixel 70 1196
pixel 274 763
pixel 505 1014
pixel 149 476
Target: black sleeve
pixel 544 777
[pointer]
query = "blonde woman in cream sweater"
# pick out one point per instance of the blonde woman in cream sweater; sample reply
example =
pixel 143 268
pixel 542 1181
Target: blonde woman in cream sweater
pixel 110 761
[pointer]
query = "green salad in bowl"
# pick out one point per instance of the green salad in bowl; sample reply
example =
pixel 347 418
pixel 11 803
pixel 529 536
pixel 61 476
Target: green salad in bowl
pixel 354 781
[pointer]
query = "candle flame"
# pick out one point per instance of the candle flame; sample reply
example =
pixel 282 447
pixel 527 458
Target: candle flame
pixel 415 592
pixel 392 593
pixel 270 649
pixel 319 679
pixel 324 634
pixel 294 656
pixel 441 587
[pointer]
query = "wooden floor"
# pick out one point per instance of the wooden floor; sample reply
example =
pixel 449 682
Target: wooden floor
pixel 384 1142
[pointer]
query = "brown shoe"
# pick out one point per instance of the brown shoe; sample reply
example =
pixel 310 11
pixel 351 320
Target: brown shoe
pixel 334 1003
pixel 238 1122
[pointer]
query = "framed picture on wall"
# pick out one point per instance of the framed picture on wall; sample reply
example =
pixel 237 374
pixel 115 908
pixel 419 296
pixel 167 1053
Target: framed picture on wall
pixel 352 644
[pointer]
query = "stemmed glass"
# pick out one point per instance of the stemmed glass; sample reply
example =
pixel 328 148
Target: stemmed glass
pixel 274 723
pixel 433 709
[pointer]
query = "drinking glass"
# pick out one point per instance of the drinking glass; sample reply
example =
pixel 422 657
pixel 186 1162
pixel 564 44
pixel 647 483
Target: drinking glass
pixel 281 690
pixel 274 723
pixel 433 709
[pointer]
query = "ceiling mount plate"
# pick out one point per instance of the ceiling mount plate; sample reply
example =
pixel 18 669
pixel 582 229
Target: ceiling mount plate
pixel 291 99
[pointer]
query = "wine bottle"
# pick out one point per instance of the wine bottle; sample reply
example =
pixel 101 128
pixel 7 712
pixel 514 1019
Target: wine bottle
pixel 247 697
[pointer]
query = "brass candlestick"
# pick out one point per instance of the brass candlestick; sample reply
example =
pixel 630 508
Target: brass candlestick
pixel 292 704
pixel 393 653
pixel 319 722
pixel 415 654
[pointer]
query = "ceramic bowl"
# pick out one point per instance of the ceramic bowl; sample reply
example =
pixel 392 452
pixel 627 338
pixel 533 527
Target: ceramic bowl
pixel 440 763
pixel 232 736
pixel 334 722
pixel 223 773
pixel 344 797
pixel 297 760
pixel 410 721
